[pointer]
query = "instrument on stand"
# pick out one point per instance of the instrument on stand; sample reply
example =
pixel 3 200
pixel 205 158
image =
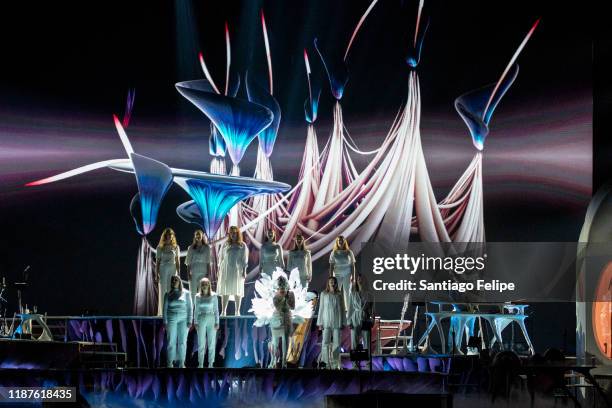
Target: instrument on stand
pixel 21 286
pixel 22 309
pixel 299 338
pixel 4 328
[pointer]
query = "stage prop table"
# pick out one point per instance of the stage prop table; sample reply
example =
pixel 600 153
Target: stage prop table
pixel 25 326
pixel 463 321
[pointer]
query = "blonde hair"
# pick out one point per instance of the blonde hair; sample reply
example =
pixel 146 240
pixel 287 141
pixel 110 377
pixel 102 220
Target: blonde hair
pixel 205 280
pixel 345 247
pixel 204 238
pixel 297 247
pixel 162 241
pixel 273 236
pixel 336 287
pixel 229 235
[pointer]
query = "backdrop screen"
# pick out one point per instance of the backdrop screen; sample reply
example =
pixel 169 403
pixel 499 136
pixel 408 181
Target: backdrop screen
pixel 69 66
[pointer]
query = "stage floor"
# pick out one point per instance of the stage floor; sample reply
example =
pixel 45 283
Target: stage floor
pixel 220 386
pixel 239 344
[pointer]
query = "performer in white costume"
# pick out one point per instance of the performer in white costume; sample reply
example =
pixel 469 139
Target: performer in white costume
pixel 206 318
pixel 270 254
pixel 166 264
pixel 271 309
pixel 299 257
pixel 177 316
pixel 342 266
pixel 281 324
pixel 360 316
pixel 233 262
pixel 331 319
pixel 197 261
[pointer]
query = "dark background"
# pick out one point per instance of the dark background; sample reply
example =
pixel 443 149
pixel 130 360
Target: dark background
pixel 66 67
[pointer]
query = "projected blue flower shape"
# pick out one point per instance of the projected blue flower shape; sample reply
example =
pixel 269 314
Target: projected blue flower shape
pixel 261 96
pixel 154 179
pixel 471 107
pixel 216 144
pixel 337 72
pixel 189 212
pixel 414 53
pixel 311 107
pixel 237 120
pixel 215 195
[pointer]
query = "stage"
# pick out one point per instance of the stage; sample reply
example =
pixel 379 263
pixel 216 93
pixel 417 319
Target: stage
pixel 216 386
pixel 139 342
pixel 118 360
pixel 470 382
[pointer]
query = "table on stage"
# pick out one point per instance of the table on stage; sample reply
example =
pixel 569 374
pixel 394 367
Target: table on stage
pixel 464 320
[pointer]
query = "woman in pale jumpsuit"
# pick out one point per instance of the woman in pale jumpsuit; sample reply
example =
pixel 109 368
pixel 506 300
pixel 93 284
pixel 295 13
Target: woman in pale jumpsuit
pixel 166 264
pixel 206 318
pixel 197 261
pixel 299 257
pixel 270 254
pixel 233 262
pixel 342 266
pixel 178 313
pixel 331 319
pixel 281 324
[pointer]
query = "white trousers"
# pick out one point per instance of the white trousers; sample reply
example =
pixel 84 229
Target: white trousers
pixel 176 342
pixel 279 335
pixel 166 271
pixel 344 284
pixel 330 347
pixel 207 339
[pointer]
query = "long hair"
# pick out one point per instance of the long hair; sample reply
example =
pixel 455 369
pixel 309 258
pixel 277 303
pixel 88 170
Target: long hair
pixel 202 281
pixel 162 240
pixel 238 233
pixel 173 279
pixel 204 241
pixel 356 286
pixel 336 289
pixel 344 247
pixel 266 239
pixel 297 247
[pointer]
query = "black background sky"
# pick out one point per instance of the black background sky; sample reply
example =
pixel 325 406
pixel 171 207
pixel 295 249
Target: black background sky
pixel 71 60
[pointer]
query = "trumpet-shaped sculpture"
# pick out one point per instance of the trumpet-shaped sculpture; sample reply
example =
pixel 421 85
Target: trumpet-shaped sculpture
pixel 261 96
pixel 337 72
pixel 476 107
pixel 215 195
pixel 238 121
pixel 216 144
pixel 154 180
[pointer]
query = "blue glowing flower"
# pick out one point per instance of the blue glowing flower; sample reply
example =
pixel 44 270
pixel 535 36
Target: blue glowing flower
pixel 476 107
pixel 311 109
pixel 337 72
pixel 189 212
pixel 154 179
pixel 215 195
pixel 414 53
pixel 237 120
pixel 261 96
pixel 216 144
